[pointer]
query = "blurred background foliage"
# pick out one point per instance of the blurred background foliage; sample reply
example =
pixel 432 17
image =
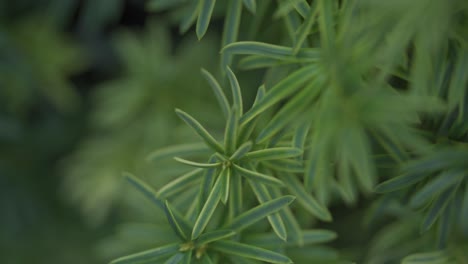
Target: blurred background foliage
pixel 88 88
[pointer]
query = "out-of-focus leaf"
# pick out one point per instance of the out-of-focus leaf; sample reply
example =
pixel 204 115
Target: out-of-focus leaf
pixel 158 5
pixel 206 8
pixel 437 207
pixel 435 257
pixel 445 180
pixel 190 19
pixel 305 29
pixel 251 5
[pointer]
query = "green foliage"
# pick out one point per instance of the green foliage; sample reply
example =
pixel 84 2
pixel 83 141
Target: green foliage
pixel 370 105
pixel 25 46
pixel 142 100
pixel 338 121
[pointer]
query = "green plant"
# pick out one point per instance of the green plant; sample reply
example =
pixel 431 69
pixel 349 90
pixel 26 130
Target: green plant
pixel 369 101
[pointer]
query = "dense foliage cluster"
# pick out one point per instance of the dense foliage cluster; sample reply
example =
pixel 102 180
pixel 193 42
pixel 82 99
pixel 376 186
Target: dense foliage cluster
pixel 271 131
pixel 373 103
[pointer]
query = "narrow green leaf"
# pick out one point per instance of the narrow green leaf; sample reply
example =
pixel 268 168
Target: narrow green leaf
pixel 302 7
pixel 214 236
pixel 253 62
pixel 400 182
pixel 290 221
pixel 218 91
pixel 305 29
pixel 236 91
pixel 231 28
pixel 188 20
pixel 178 150
pixel 437 185
pixel 192 211
pixel 305 199
pixel 292 22
pixel 208 209
pixel 259 212
pixel 147 190
pixel 235 201
pixel 315 236
pixel 273 153
pixel 261 91
pixel 247 129
pixel 280 91
pixel 285 7
pixel 187 259
pixel 248 251
pixel 392 146
pixel 241 260
pixel 275 219
pixel 293 166
pixel 200 130
pixel 309 237
pixel 148 255
pixel 434 257
pixel 180 227
pixel 316 254
pixel 197 164
pixel 251 5
pixel 225 184
pixel 359 157
pixel 271 51
pixel 257 176
pixel 458 83
pixel 231 132
pixel 160 5
pixel 177 185
pixel 177 258
pixel 207 183
pixel 436 209
pixel 206 259
pixel 326 24
pixel 444 226
pixel 206 9
pixel 241 151
pixel 347 188
pixel 300 136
